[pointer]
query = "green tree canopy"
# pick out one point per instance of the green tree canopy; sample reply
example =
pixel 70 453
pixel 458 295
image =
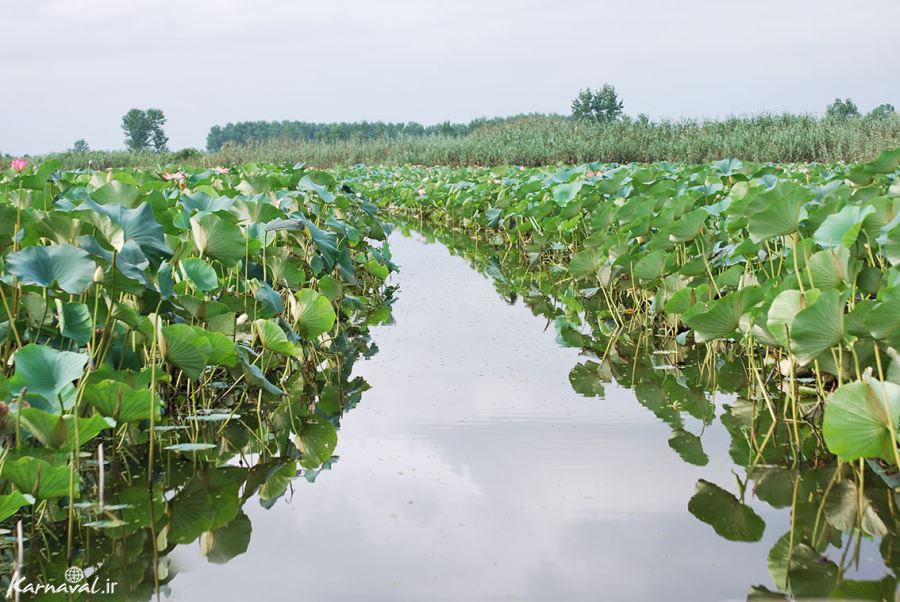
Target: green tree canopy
pixel 882 111
pixel 842 109
pixel 144 130
pixel 602 105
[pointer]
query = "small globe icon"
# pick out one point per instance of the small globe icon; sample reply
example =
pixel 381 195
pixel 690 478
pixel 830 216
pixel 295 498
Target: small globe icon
pixel 74 574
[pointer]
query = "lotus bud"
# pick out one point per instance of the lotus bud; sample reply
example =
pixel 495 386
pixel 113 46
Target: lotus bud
pixel 98 274
pixel 241 319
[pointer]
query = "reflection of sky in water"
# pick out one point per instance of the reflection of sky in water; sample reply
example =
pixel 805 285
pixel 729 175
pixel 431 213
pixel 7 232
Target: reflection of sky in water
pixel 472 470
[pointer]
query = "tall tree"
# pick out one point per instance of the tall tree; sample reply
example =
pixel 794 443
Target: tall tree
pixel 602 106
pixel 144 130
pixel 882 111
pixel 842 109
pixel 157 120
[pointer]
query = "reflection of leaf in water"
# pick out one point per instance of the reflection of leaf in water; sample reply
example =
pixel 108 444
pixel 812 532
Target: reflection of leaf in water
pixel 723 512
pixel 223 544
pixel 759 592
pixel 841 510
pixel 774 485
pixel 689 447
pixel 276 484
pixel 208 501
pixel 316 441
pixel 585 379
pixel 850 589
pixel 810 575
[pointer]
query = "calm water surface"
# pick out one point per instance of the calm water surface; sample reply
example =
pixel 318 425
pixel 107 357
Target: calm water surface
pixel 472 470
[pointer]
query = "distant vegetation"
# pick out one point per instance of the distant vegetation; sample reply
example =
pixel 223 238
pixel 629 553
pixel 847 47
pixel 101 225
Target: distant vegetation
pixel 546 140
pixel 253 132
pixel 597 130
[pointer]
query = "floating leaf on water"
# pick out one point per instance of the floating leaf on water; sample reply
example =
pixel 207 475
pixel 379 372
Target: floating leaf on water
pixel 190 447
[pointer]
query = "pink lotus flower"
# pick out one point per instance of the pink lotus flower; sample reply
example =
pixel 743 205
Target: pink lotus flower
pixel 421 192
pixel 178 175
pixel 221 170
pixel 18 165
pixel 589 174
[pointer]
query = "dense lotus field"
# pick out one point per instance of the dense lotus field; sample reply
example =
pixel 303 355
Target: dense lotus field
pixel 155 327
pixel 175 343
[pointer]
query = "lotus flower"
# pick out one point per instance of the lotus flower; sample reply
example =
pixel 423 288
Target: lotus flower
pixel 178 175
pixel 589 174
pixel 18 165
pixel 220 170
pixel 421 192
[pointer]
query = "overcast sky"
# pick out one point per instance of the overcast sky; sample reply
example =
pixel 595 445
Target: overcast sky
pixel 72 68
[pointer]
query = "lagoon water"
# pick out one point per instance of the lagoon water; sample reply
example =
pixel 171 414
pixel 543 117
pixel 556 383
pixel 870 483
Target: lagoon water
pixel 472 470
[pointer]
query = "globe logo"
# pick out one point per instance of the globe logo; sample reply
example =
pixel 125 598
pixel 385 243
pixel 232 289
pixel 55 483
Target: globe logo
pixel 74 574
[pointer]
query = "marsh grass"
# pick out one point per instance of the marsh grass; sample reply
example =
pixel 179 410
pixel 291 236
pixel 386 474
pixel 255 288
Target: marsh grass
pixel 534 141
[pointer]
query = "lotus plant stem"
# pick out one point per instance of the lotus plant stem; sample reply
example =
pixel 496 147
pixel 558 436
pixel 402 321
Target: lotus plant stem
pixel 797 264
pixel 887 409
pixel 154 345
pixel 9 316
pixel 834 478
pixel 793 528
pixel 101 473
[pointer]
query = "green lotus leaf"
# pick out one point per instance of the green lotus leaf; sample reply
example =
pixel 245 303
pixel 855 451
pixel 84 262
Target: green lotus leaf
pixel 723 315
pixel 378 270
pixel 314 314
pixel 651 266
pixel 45 373
pixel 200 274
pixel 120 224
pixel 781 213
pixel 688 227
pixel 830 268
pixel 818 327
pixel 563 194
pixel 218 239
pixel 12 503
pixel 56 431
pixel 883 320
pixel 273 338
pixel 38 477
pixel 119 401
pixel 841 229
pixel 222 350
pixel 782 312
pixel 75 321
pixel 186 349
pixel 861 419
pixel 585 263
pixel 70 267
